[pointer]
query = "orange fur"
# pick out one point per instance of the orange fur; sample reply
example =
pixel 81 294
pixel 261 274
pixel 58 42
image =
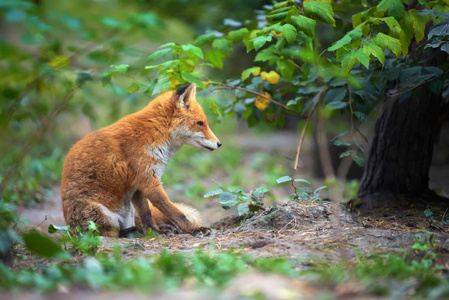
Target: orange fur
pixel 111 173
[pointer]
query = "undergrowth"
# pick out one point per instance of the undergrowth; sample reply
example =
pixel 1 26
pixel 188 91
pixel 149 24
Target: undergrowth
pixel 73 260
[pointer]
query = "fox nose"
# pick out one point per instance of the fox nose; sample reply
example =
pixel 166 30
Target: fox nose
pixel 218 144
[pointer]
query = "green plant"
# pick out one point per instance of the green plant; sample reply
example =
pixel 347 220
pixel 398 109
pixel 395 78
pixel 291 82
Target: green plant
pixel 161 272
pixel 77 240
pixel 302 192
pixel 382 273
pixel 8 234
pixel 429 215
pixel 425 247
pixel 246 202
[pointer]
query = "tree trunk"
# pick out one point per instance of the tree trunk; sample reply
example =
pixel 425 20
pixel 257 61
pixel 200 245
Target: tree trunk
pixel 397 171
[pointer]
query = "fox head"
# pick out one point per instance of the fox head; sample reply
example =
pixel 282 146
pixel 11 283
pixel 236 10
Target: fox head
pixel 191 126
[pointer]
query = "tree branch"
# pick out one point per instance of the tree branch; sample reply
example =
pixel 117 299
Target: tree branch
pixel 258 94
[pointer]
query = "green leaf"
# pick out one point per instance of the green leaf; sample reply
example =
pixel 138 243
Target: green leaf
pixel 189 77
pixel 339 135
pixel 361 116
pixel 227 200
pixel 215 57
pixel 162 85
pixel 213 193
pixel 54 228
pixel 354 34
pixel 340 43
pixel 243 209
pixel 267 55
pixel 347 61
pixel 284 179
pixel 204 39
pixel 302 180
pixel 158 54
pixel 406 35
pixel 41 245
pixel 289 32
pixel 342 143
pixel 254 71
pixel 280 44
pixel 358 159
pixel 395 8
pixel 371 48
pixel 260 41
pixel 120 68
pixel 307 25
pixel 335 95
pixel 133 87
pixel 394 26
pixel 344 154
pixel 362 57
pixel 192 50
pixel 171 45
pixel 236 36
pixel 336 105
pixel 321 10
pixel 419 24
pixel 223 45
pixel 389 42
pixel 286 68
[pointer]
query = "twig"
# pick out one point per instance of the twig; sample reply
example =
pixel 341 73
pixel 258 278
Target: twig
pixel 352 111
pixel 303 132
pixel 258 94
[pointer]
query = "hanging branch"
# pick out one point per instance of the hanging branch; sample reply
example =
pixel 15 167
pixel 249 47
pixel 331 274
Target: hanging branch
pixel 257 94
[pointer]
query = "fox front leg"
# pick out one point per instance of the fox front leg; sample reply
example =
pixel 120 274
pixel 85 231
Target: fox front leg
pixel 157 196
pixel 143 211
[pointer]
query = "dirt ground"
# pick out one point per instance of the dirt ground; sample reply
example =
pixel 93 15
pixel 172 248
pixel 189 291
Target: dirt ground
pixel 307 232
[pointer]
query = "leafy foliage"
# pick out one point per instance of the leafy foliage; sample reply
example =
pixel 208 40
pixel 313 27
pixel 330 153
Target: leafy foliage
pixel 155 273
pixel 378 272
pixel 291 76
pixel 8 234
pixel 302 192
pixel 245 202
pixel 77 240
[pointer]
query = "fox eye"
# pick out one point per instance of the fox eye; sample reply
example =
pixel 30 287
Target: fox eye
pixel 200 124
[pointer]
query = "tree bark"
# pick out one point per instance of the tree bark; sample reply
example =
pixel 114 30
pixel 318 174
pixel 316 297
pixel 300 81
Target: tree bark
pixel 397 170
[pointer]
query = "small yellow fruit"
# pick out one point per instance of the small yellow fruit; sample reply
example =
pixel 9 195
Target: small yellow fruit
pixel 272 77
pixel 262 103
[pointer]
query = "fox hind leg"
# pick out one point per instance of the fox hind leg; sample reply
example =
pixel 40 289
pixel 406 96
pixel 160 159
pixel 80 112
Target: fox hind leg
pixel 82 212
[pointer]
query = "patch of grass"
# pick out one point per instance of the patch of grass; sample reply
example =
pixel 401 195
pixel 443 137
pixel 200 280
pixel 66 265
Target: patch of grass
pixel 385 274
pixel 163 272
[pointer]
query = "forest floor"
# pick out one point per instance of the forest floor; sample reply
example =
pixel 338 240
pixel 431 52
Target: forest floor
pixel 306 232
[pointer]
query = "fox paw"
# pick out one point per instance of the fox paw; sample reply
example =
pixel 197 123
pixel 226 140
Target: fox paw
pixel 168 229
pixel 202 231
pixel 131 232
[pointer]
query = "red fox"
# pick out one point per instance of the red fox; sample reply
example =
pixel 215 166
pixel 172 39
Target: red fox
pixel 113 175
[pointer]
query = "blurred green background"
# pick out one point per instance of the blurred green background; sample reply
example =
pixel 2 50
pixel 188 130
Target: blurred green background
pixel 48 48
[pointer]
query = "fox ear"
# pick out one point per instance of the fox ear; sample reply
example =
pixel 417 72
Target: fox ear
pixel 186 95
